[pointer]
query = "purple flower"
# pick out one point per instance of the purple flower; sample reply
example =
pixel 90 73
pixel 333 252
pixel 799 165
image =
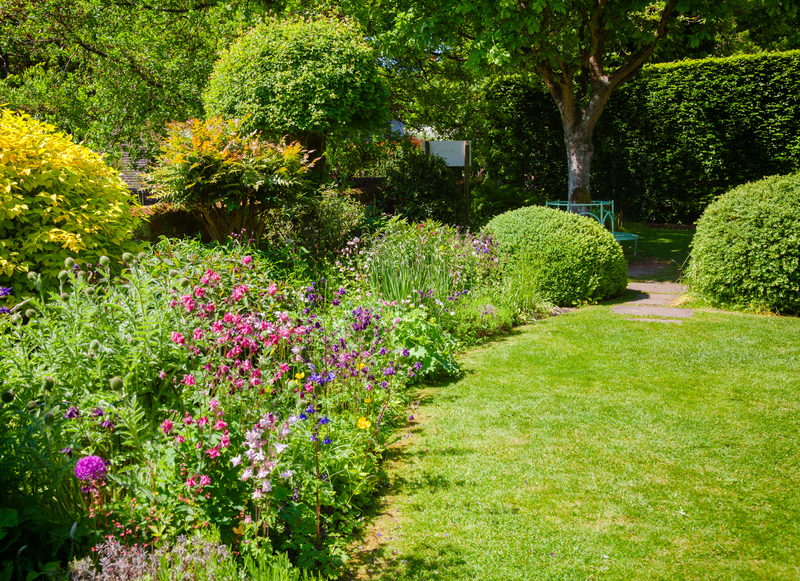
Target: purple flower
pixel 336 302
pixel 72 413
pixel 389 371
pixel 4 310
pixel 97 412
pixel 331 376
pixel 382 351
pixel 417 365
pixel 310 410
pixel 90 468
pixel 324 420
pixel 326 441
pixel 67 451
pixel 384 385
pixel 5 291
pixel 107 424
pixel 302 416
pixel 406 353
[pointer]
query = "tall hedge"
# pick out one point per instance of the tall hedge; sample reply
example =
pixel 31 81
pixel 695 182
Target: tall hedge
pixel 670 140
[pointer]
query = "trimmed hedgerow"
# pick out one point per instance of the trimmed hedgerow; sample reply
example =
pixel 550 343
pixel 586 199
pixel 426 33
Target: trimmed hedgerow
pixel 572 258
pixel 746 251
pixel 669 141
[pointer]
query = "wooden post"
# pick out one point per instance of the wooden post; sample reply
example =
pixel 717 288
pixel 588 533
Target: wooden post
pixel 466 183
pixel 427 147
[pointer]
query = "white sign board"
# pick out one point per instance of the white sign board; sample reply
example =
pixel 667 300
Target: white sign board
pixel 451 151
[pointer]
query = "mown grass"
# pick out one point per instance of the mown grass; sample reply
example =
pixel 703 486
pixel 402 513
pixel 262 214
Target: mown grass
pixel 668 245
pixel 590 447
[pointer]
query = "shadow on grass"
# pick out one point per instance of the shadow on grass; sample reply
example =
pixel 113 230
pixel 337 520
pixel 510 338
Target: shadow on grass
pixel 425 562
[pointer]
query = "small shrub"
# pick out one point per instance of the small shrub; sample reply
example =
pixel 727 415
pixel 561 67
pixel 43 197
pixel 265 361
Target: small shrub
pixel 57 200
pixel 569 258
pixel 490 198
pixel 746 251
pixel 227 178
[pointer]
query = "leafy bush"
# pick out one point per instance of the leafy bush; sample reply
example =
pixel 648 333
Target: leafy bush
pixel 489 198
pixel 370 155
pixel 569 258
pixel 746 251
pixel 228 179
pixel 57 200
pixel 421 187
pixel 307 78
pixel 669 141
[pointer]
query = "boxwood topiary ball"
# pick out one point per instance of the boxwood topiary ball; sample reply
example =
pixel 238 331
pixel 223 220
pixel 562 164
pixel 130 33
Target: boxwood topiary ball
pixel 746 251
pixel 566 257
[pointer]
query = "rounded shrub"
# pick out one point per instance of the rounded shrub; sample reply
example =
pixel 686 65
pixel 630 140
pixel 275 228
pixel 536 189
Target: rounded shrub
pixel 57 200
pixel 566 257
pixel 746 251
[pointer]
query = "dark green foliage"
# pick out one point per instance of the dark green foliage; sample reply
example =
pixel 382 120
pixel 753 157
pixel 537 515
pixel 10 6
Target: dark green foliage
pixel 572 257
pixel 746 251
pixel 490 198
pixel 421 187
pixel 669 141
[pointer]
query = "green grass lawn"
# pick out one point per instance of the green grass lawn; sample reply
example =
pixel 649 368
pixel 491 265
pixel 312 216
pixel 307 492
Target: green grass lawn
pixel 667 246
pixel 589 447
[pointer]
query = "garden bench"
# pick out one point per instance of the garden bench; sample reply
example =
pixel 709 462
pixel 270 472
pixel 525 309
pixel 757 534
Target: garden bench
pixel 600 210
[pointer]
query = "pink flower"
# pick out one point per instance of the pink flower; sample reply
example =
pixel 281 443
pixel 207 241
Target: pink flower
pixel 213 452
pixel 239 292
pixel 197 335
pixel 299 330
pixel 248 519
pixel 187 419
pixel 199 292
pixel 272 289
pixel 202 421
pixel 218 326
pixel 180 439
pixel 177 338
pixel 188 303
pixel 188 379
pixel 220 425
pixel 162 374
pixel 205 480
pixel 173 303
pixel 191 482
pixel 214 404
pixel 226 441
pixel 166 427
pixel 247 260
pixel 286 333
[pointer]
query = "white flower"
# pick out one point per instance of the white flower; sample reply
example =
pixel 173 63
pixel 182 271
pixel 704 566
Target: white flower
pixel 286 474
pixel 267 486
pixel 236 460
pixel 280 447
pixel 259 457
pixel 248 472
pixel 258 494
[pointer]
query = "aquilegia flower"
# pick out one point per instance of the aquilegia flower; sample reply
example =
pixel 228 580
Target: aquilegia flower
pixel 90 468
pixel 5 291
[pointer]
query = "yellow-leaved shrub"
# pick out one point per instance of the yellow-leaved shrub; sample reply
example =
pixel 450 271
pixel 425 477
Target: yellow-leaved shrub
pixel 58 199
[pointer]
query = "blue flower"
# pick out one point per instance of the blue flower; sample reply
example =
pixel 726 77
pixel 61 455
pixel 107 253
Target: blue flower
pixel 405 353
pixel 302 416
pixel 326 441
pixel 4 310
pixel 324 420
pixel 310 410
pixel 5 291
pixel 331 376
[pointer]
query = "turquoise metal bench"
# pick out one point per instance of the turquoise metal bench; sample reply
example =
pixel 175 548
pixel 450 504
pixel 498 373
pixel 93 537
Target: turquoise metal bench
pixel 602 211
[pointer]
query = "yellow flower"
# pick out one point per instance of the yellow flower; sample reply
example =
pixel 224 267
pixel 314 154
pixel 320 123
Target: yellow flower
pixel 364 423
pixel 299 375
pixel 368 400
pixel 360 366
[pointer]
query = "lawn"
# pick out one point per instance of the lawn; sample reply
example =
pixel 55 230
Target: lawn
pixel 589 447
pixel 664 249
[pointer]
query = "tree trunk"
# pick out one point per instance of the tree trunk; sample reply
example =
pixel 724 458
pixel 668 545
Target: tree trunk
pixel 579 160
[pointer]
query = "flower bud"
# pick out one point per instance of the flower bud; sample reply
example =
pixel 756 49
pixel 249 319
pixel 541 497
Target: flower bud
pixel 64 296
pixel 32 405
pixel 30 313
pixel 48 418
pixel 69 262
pixel 116 383
pixel 16 318
pixel 32 275
pixel 127 257
pixel 62 276
pixel 104 261
pixel 7 396
pixel 48 383
pixel 94 345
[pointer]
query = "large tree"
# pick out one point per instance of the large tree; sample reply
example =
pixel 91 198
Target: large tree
pixel 581 49
pixel 113 72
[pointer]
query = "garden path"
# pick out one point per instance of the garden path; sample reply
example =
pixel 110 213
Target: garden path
pixel 655 302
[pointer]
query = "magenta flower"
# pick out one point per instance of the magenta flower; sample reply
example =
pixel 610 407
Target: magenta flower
pixel 272 289
pixel 188 379
pixel 247 260
pixel 197 335
pixel 220 425
pixel 213 452
pixel 90 468
pixel 177 338
pixel 239 292
pixel 191 482
pixel 166 427
pixel 205 480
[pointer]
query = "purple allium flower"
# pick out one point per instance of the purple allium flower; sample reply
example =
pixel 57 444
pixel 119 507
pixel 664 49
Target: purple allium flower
pixel 97 412
pixel 72 413
pixel 67 451
pixel 90 468
pixel 5 291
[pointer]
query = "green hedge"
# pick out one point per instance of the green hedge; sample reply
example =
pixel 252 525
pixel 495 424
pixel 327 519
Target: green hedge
pixel 669 141
pixel 746 251
pixel 568 258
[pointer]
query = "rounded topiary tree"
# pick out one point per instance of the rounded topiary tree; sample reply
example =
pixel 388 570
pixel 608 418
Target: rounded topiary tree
pixel 308 79
pixel 746 251
pixel 566 257
pixel 57 200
